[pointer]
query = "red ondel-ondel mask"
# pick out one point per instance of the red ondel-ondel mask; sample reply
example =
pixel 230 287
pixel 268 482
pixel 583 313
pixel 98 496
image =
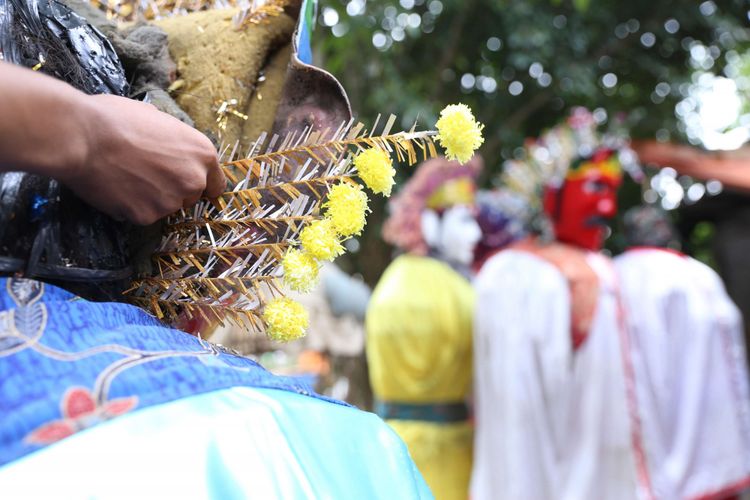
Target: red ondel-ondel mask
pixel 587 198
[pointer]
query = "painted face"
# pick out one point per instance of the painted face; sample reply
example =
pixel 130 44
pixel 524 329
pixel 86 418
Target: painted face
pixel 454 235
pixel 460 235
pixel 586 200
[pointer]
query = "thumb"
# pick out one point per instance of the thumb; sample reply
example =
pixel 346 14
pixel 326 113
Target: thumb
pixel 216 183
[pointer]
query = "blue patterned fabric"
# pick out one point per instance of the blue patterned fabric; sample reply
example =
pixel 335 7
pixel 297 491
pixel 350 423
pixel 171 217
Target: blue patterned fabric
pixel 67 364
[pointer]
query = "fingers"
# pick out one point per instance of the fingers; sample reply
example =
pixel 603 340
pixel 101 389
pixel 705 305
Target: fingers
pixel 172 166
pixel 216 183
pixel 142 217
pixel 191 201
pixel 145 214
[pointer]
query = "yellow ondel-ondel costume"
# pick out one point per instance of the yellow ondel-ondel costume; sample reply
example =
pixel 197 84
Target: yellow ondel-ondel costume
pixel 419 347
pixel 419 327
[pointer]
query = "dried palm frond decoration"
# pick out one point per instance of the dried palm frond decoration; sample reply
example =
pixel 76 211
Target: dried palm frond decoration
pixel 289 207
pixel 251 11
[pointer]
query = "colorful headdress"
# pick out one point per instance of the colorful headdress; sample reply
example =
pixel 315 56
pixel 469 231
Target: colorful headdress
pixel 500 214
pixel 647 225
pixel 564 152
pixel 437 184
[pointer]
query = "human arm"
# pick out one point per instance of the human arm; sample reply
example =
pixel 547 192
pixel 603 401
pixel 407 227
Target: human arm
pixel 122 156
pixel 731 171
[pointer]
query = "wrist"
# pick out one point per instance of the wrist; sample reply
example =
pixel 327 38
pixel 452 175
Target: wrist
pixel 83 124
pixel 50 128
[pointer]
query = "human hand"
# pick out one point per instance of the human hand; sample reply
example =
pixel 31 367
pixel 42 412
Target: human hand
pixel 665 154
pixel 141 164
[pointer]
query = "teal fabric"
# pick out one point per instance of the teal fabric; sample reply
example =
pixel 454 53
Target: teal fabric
pixel 439 413
pixel 233 443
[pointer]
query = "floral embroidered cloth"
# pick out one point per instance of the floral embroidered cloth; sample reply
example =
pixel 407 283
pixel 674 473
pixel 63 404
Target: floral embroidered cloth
pixel 67 364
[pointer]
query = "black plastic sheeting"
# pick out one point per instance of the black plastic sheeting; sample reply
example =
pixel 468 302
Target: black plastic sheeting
pixel 46 231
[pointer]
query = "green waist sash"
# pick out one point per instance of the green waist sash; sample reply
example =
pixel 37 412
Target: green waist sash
pixel 427 412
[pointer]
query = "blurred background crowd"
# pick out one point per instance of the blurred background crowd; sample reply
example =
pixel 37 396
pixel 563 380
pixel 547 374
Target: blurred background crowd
pixel 670 71
pixel 669 80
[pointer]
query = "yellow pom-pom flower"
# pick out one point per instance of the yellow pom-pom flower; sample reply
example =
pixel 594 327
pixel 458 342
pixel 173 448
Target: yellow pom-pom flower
pixel 320 240
pixel 346 208
pixel 285 319
pixel 459 133
pixel 376 170
pixel 300 270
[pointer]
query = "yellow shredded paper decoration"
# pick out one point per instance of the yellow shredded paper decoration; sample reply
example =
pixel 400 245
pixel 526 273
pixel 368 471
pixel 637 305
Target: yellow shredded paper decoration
pixel 459 132
pixel 320 240
pixel 346 207
pixel 285 319
pixel 300 270
pixel 375 168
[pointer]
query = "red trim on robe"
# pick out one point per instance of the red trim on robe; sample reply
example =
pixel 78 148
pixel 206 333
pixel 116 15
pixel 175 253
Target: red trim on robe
pixel 730 492
pixel 644 479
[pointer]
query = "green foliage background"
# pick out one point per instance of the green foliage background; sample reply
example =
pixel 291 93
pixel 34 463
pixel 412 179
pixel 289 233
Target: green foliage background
pixel 521 65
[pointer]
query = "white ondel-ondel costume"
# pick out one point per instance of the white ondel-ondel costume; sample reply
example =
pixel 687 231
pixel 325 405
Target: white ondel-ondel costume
pixel 551 412
pixel 602 381
pixel 653 404
pixel 690 381
pixel 552 421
